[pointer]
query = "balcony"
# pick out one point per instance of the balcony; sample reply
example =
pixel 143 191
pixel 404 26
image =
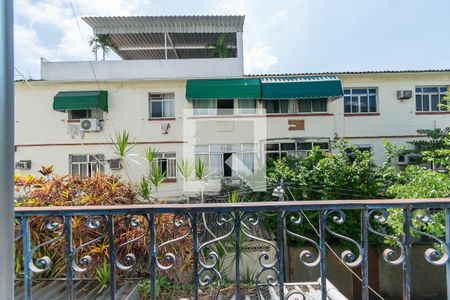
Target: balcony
pixel 198 248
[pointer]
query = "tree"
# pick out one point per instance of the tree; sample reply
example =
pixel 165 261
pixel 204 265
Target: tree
pixel 220 48
pixel 434 148
pixel 103 42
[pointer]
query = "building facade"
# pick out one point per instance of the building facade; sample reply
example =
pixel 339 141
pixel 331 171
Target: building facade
pixel 172 94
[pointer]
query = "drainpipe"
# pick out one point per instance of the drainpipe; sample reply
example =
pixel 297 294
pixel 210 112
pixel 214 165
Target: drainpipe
pixel 6 151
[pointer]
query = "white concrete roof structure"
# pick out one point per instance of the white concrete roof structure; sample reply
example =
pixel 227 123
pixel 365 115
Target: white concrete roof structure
pixel 168 37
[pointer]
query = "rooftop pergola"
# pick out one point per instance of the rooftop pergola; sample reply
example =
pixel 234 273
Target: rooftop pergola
pixel 168 37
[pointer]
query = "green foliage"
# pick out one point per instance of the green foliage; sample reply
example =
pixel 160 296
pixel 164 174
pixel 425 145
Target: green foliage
pixel 122 143
pixel 144 188
pixel 162 283
pixel 185 169
pixel 220 48
pixel 200 173
pixel 103 42
pixel 102 275
pixel 156 178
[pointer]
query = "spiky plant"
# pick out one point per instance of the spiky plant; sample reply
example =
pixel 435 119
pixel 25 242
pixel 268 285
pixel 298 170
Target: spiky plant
pixel 123 144
pixel 185 168
pixel 156 178
pixel 220 48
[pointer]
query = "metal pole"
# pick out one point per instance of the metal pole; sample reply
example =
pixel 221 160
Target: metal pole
pixel 447 240
pixel 6 150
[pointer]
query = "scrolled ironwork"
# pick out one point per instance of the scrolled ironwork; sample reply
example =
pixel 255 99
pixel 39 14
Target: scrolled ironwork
pixel 432 255
pixel 169 258
pixel 209 262
pixel 44 263
pixel 252 219
pixel 129 259
pixel 306 256
pixel 389 254
pixel 347 256
pixel 85 262
pixel 295 293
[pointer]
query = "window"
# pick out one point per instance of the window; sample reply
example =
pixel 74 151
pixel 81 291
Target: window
pixel 227 160
pixel 277 150
pixel 276 106
pixel 162 106
pixel 79 114
pixel 86 165
pixel 429 98
pixel 225 107
pixel 247 106
pixel 204 107
pixel 312 105
pixel 360 100
pixel 167 163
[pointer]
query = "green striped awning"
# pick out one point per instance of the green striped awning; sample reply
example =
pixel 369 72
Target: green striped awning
pixel 77 100
pixel 312 87
pixel 244 88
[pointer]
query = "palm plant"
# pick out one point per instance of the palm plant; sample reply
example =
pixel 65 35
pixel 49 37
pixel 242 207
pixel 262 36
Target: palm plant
pixel 149 156
pixel 144 188
pixel 122 146
pixel 220 48
pixel 103 42
pixel 156 178
pixel 185 168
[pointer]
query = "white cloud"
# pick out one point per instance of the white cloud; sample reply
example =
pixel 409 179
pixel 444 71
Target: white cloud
pixel 259 59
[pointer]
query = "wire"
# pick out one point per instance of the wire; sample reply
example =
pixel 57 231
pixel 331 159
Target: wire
pixel 332 251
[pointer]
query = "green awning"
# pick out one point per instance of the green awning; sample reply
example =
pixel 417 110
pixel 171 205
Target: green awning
pixel 76 100
pixel 312 87
pixel 223 89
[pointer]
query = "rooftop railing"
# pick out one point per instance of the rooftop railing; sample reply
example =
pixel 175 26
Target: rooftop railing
pixel 226 222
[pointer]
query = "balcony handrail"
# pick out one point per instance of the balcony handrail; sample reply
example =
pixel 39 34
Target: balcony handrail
pixel 230 207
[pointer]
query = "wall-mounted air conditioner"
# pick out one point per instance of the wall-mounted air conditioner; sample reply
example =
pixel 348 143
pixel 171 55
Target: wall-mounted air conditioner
pixel 23 165
pixel 115 164
pixel 404 94
pixel 90 125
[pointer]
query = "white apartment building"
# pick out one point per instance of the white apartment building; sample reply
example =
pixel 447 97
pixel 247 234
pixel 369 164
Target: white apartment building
pixel 172 95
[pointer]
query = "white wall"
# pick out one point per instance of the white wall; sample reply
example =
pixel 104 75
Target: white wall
pixel 41 132
pixel 142 69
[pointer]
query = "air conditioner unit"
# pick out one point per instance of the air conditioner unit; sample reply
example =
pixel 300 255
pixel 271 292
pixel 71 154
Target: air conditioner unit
pixel 404 94
pixel 23 165
pixel 90 125
pixel 115 164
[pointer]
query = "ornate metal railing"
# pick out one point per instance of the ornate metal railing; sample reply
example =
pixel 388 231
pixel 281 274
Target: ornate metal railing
pixel 235 222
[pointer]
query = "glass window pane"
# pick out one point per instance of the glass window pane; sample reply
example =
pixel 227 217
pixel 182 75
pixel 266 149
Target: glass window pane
pixel 359 91
pixel 83 170
pixel 364 103
pixel 347 91
pixel 79 158
pixel 347 106
pixel 284 106
pixel 247 106
pixel 272 147
pixel 204 107
pixel 418 102
pixel 304 146
pixel 287 146
pixel 418 90
pixel 78 114
pixel 75 171
pixel 443 89
pixel 372 103
pixel 169 109
pixel 372 91
pixel 355 104
pixel 201 148
pixel 322 146
pixel 430 90
pixel 319 105
pixel 426 103
pixel 249 147
pixel 434 102
pixel 271 106
pixel 304 106
pixel 442 101
pixel 156 109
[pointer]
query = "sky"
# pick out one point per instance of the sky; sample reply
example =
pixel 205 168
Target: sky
pixel 282 36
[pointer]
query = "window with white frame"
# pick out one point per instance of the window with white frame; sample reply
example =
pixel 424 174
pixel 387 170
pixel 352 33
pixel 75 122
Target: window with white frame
pixel 213 107
pixel 227 160
pixel 86 165
pixel 79 114
pixel 312 105
pixel 161 106
pixel 167 163
pixel 277 150
pixel 277 106
pixel 360 100
pixel 430 98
